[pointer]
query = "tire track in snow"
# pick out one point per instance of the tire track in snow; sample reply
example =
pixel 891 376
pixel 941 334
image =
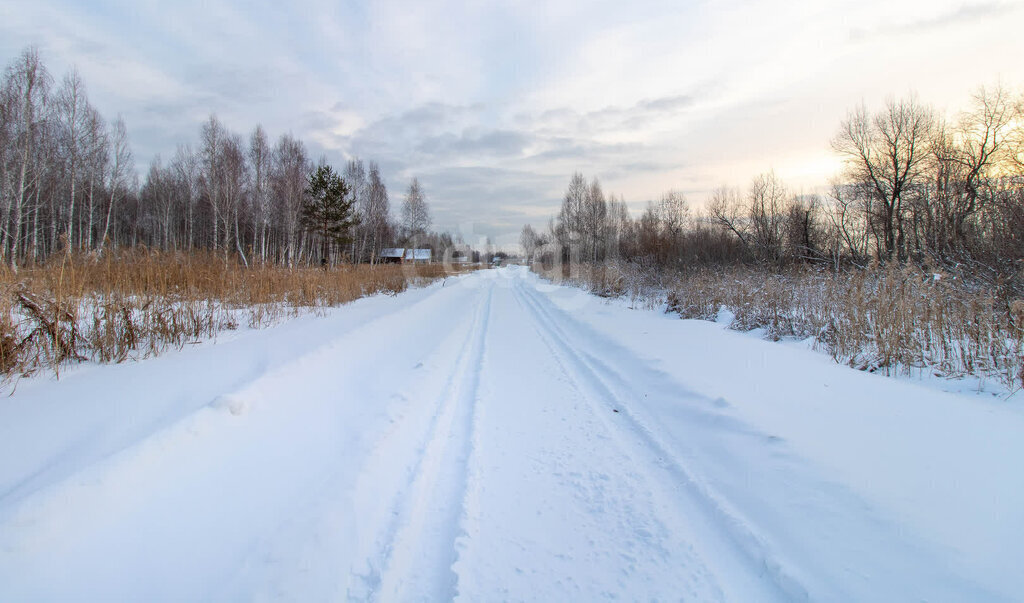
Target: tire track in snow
pixel 374 556
pixel 274 408
pixel 384 474
pixel 329 348
pixel 53 474
pixel 753 481
pixel 427 511
pixel 594 380
pixel 556 509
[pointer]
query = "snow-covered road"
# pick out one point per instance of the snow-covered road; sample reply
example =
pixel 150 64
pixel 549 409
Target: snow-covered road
pixel 494 438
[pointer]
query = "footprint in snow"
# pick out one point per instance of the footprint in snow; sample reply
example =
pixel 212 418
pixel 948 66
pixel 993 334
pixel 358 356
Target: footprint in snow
pixel 234 404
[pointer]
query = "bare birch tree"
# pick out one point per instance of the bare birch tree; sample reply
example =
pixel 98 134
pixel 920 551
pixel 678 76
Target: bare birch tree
pixel 259 175
pixel 121 167
pixel 376 212
pixel 25 91
pixel 288 181
pixel 415 213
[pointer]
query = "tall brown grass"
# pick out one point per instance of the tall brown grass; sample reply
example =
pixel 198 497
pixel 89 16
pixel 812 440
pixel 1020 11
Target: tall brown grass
pixel 137 303
pixel 895 319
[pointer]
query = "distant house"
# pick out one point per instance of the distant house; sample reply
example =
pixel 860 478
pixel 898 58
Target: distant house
pixel 418 256
pixel 458 254
pixel 392 255
pixel 401 255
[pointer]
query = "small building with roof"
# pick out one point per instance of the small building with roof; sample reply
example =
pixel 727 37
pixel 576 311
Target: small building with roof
pixel 402 255
pixel 418 256
pixel 393 255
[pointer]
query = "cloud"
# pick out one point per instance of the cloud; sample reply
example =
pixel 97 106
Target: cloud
pixel 406 130
pixel 493 143
pixel 232 84
pixel 506 198
pixel 958 16
pixel 609 119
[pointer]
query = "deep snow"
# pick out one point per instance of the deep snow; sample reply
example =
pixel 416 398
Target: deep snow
pixel 499 437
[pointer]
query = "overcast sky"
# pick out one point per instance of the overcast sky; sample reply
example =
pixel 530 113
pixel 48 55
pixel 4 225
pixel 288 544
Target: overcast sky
pixel 493 105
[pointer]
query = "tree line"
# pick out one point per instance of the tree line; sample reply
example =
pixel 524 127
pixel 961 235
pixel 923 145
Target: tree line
pixel 68 181
pixel 916 186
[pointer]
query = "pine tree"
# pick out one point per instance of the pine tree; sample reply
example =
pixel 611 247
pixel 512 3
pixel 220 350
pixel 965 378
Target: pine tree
pixel 327 210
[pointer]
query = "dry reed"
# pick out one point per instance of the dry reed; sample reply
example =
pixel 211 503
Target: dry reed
pixel 137 303
pixel 890 319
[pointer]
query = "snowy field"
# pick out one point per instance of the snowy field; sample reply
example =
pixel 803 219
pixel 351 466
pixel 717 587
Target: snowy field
pixel 497 437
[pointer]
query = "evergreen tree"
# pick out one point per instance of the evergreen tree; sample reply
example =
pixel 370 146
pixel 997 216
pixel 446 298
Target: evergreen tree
pixel 327 210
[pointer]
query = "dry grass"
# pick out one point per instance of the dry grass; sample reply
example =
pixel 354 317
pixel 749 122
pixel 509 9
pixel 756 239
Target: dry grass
pixel 895 319
pixel 643 285
pixel 134 304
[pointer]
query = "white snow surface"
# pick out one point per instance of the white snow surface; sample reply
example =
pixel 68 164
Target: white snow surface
pixel 496 437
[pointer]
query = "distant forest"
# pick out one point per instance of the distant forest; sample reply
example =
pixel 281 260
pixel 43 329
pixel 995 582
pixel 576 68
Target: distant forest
pixel 917 186
pixel 68 181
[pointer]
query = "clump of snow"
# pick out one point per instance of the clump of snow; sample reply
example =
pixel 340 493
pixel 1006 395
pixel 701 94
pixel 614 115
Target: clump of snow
pixel 232 403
